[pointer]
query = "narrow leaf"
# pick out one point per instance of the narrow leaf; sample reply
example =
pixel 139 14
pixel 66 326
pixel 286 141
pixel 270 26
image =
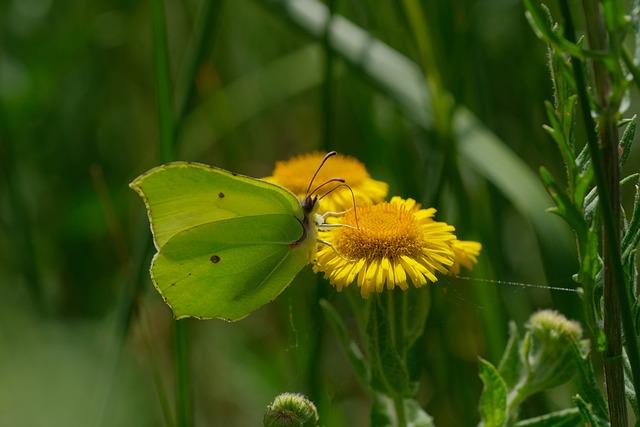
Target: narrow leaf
pixel 565 418
pixel 627 139
pixel 510 365
pixel 587 383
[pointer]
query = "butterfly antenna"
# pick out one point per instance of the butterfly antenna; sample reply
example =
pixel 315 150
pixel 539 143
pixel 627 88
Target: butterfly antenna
pixel 353 198
pixel 324 159
pixel 341 180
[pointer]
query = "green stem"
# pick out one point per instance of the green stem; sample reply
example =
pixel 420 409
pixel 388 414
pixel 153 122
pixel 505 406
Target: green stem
pixel 401 418
pixel 616 298
pixel 183 387
pixel 162 81
pixel 167 145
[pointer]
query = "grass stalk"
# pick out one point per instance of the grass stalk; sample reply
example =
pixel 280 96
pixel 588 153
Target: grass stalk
pixel 198 46
pixel 184 411
pixel 167 146
pixel 606 171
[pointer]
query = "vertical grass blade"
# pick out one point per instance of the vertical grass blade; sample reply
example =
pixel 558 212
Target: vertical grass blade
pixel 167 136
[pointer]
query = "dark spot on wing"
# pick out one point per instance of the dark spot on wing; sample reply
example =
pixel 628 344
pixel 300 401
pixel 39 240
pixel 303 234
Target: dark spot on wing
pixel 172 285
pixel 221 195
pixel 215 259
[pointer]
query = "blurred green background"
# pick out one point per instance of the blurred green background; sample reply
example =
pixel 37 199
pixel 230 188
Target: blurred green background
pixel 84 338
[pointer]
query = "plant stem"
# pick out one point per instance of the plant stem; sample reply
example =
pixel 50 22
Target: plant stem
pixel 183 387
pixel 401 418
pixel 162 81
pixel 617 303
pixel 167 145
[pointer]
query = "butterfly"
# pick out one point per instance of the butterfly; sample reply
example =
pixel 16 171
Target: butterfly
pixel 226 243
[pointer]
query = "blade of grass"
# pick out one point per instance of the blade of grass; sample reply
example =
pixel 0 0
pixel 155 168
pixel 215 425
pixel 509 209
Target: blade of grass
pixel 167 136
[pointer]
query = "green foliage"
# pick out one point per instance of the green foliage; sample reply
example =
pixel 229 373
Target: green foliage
pixel 79 119
pixel 383 413
pixel 564 418
pixel 493 400
pixel 547 356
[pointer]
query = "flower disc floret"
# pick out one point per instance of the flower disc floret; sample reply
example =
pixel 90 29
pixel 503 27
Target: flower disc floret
pixel 386 245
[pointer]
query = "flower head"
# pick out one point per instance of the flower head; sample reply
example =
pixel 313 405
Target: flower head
pixel 386 244
pixel 295 174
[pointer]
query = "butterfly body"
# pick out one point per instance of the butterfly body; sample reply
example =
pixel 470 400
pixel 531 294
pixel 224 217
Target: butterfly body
pixel 226 244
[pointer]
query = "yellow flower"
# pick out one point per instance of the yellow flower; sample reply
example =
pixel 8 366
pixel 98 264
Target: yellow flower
pixel 389 244
pixel 465 254
pixel 295 174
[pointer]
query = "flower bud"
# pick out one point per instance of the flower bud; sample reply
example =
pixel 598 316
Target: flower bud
pixel 289 410
pixel 546 351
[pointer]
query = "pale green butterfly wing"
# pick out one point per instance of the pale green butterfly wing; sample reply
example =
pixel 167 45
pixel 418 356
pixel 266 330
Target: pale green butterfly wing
pixel 229 268
pixel 181 195
pixel 227 244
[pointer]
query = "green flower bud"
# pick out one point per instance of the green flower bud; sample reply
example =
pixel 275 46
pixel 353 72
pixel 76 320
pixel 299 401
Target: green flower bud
pixel 291 409
pixel 546 353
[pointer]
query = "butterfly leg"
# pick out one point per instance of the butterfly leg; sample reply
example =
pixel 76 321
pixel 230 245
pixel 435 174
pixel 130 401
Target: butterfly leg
pixel 324 242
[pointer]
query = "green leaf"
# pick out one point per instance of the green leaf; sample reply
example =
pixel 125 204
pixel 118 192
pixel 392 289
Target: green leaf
pixel 587 414
pixel 587 383
pixel 539 19
pixel 632 233
pixel 511 364
pixel 627 139
pixel 628 386
pixel 383 413
pixel 416 416
pixel 557 133
pixel 565 208
pixel 351 348
pixel 564 418
pixel 493 400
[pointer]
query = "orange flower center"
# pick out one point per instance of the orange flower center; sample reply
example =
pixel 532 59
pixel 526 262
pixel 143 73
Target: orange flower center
pixel 296 173
pixel 385 231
